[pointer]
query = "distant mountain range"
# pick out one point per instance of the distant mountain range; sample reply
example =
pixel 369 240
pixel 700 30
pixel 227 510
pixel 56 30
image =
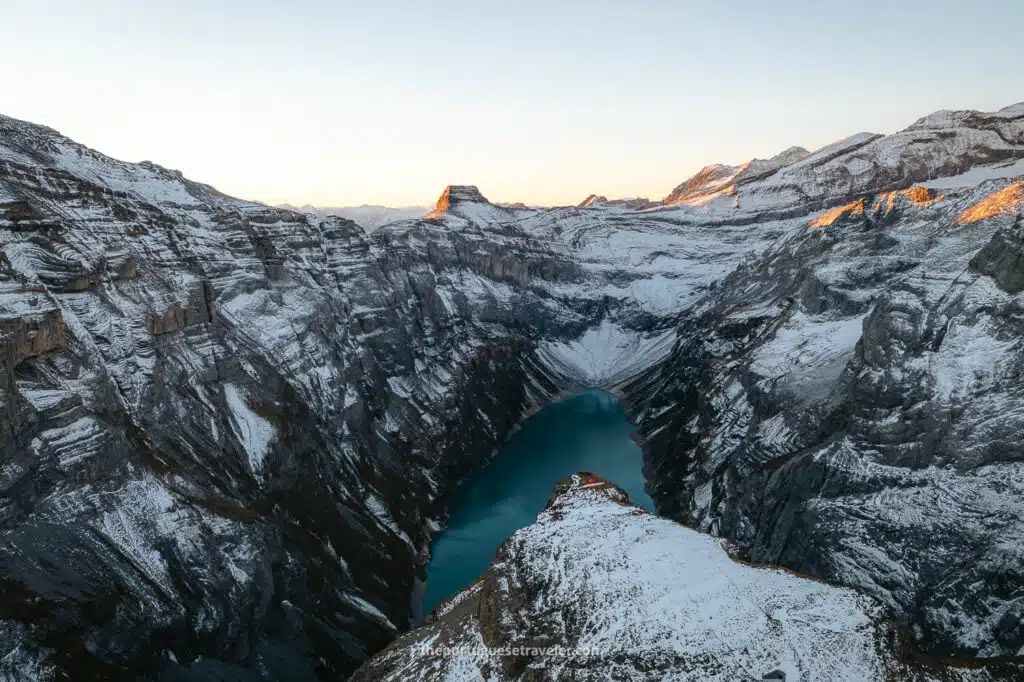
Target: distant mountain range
pixel 367 216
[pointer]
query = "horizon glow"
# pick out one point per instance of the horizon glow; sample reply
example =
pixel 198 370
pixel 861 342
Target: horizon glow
pixel 341 103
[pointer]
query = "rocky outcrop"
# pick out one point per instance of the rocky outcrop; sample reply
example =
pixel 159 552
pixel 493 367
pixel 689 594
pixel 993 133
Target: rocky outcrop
pixel 454 195
pixel 1003 258
pixel 199 309
pixel 592 200
pixel 757 168
pixel 29 336
pixel 707 181
pixel 720 180
pixel 598 589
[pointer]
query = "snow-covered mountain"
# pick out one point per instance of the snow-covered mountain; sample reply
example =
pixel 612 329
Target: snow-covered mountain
pixel 635 203
pixel 598 589
pixel 230 429
pixel 946 143
pixel 367 216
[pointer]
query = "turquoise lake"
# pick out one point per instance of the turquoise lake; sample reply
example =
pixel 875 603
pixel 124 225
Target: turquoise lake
pixel 587 432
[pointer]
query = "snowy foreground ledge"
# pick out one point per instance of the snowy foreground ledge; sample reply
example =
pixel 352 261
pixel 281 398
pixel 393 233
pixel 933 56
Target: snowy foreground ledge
pixel 598 589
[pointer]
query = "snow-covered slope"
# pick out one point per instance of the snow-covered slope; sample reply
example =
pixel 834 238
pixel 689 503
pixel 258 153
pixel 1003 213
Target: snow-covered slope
pixel 849 405
pixel 943 144
pixel 598 589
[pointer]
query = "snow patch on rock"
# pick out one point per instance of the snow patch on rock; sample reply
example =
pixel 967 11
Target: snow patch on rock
pixel 253 431
pixel 607 355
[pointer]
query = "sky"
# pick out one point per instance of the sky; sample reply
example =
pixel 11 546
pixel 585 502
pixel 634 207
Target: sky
pixel 339 103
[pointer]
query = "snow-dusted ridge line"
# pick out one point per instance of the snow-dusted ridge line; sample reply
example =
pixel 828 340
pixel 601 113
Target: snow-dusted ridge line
pixel 598 588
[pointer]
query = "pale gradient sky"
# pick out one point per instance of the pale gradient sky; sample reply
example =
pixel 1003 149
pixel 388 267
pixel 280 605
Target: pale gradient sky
pixel 335 103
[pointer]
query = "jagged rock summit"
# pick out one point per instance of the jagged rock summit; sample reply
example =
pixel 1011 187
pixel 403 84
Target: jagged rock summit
pixel 710 182
pixel 456 196
pixel 705 183
pixel 592 200
pixel 720 179
pixel 756 168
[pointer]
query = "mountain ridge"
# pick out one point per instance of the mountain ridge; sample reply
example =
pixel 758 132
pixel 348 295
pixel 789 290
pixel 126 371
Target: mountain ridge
pixel 538 613
pixel 367 216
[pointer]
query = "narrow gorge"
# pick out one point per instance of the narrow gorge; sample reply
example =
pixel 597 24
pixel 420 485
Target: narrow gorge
pixel 585 432
pixel 231 431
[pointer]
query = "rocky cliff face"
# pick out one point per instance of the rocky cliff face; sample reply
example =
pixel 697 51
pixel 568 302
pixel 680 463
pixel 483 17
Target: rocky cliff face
pixel 229 429
pixel 848 405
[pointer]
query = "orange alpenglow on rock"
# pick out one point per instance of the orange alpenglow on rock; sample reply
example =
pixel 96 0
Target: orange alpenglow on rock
pixel 454 194
pixel 921 197
pixel 1007 200
pixel 854 209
